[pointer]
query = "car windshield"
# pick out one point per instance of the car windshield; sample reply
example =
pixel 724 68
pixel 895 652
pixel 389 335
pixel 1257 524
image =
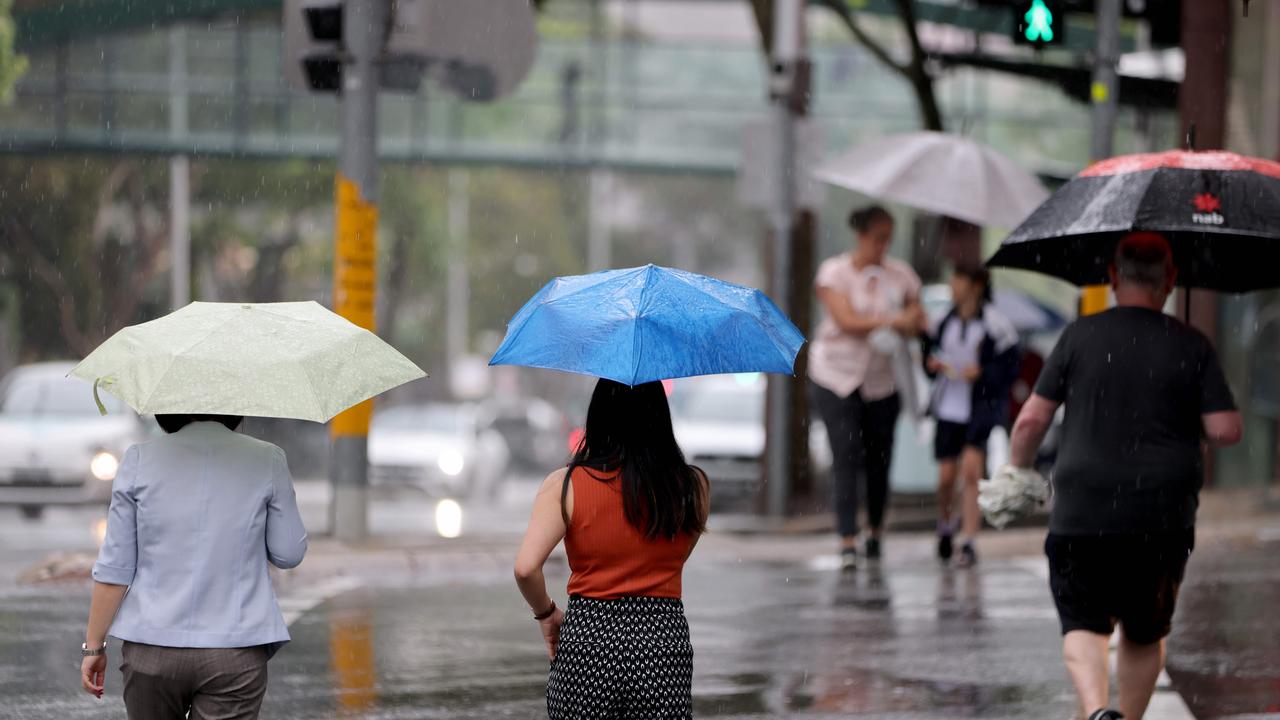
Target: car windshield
pixel 720 406
pixel 54 396
pixel 434 418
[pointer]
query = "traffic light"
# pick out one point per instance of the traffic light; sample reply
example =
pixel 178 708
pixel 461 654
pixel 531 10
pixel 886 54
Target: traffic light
pixel 313 44
pixel 1039 23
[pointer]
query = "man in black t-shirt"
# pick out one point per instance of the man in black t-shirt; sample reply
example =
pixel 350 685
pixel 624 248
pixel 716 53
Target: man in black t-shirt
pixel 1142 392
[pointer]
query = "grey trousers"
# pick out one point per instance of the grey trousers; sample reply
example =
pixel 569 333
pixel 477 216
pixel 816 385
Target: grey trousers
pixel 165 683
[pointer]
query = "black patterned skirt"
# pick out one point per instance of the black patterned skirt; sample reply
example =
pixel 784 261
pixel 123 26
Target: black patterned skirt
pixel 626 658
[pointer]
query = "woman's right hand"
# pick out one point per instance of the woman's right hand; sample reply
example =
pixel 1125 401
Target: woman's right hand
pixel 93 674
pixel 551 632
pixel 935 365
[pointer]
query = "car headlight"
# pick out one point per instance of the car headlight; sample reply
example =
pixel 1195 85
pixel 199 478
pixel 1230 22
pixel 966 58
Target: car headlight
pixel 451 463
pixel 104 465
pixel 448 518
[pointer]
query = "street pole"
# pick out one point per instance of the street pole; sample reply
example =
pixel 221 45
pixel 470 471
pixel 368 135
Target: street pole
pixel 458 281
pixel 355 253
pixel 179 175
pixel 788 23
pixel 1104 93
pixel 599 241
pixel 1202 101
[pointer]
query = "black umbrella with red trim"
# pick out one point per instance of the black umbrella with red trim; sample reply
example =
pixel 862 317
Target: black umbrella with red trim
pixel 1220 212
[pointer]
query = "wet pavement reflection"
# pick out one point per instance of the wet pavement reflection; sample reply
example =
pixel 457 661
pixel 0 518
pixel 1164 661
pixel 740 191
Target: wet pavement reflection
pixel 1224 655
pixel 778 632
pixel 772 640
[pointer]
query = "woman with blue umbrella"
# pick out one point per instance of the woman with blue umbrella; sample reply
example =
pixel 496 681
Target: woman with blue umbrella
pixel 628 507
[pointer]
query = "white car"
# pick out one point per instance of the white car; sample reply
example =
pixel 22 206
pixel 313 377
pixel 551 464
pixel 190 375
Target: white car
pixel 535 431
pixel 438 447
pixel 719 423
pixel 55 447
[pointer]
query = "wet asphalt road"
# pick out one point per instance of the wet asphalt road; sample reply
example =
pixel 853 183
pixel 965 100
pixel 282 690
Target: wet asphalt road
pixel 772 639
pixel 440 632
pixel 1225 651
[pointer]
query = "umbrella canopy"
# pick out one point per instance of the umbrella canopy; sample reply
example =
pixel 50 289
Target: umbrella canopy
pixel 1220 212
pixel 285 360
pixel 945 174
pixel 649 323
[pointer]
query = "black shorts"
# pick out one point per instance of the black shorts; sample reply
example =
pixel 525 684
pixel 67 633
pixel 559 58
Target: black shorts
pixel 951 438
pixel 1099 580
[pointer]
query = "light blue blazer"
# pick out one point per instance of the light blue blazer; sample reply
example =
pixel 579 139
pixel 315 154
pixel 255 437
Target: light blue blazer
pixel 195 517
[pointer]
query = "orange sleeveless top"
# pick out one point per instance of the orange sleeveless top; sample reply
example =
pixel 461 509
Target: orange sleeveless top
pixel 608 557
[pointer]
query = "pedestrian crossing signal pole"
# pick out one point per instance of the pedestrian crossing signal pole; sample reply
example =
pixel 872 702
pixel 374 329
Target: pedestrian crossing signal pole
pixel 364 24
pixel 1103 93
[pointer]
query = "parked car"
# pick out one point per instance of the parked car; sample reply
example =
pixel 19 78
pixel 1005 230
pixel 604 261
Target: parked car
pixel 441 448
pixel 720 424
pixel 55 447
pixel 535 431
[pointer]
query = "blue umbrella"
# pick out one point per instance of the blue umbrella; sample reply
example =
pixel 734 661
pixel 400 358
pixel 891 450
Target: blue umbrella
pixel 649 323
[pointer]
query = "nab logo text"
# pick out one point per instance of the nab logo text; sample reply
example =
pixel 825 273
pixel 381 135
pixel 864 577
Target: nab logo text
pixel 1207 205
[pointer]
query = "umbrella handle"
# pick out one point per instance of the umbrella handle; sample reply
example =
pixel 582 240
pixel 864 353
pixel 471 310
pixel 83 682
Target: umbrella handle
pixel 102 409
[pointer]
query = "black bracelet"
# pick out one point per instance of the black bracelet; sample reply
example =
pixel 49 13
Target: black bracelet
pixel 544 615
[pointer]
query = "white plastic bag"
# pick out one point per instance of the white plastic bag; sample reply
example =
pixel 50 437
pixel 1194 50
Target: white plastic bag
pixel 1011 493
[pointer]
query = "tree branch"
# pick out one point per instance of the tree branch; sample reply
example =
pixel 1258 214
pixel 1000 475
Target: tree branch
pixel 53 279
pixel 843 12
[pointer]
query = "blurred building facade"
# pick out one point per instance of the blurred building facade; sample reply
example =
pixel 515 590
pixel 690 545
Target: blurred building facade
pixel 1249 325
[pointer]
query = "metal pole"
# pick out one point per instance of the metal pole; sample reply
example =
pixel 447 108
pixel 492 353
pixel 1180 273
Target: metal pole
pixel 599 242
pixel 458 290
pixel 788 21
pixel 355 257
pixel 179 175
pixel 1105 92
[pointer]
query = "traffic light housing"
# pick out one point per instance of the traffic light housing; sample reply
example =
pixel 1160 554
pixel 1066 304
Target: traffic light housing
pixel 1039 23
pixel 313 44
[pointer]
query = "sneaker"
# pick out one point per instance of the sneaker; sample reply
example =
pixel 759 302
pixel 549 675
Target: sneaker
pixel 968 556
pixel 1106 714
pixel 944 547
pixel 849 559
pixel 873 548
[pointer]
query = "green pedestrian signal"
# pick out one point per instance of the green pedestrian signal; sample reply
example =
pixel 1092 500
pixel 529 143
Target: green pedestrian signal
pixel 1038 22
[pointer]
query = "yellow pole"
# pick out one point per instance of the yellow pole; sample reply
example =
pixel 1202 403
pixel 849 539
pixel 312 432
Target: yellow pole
pixel 355 284
pixel 1094 299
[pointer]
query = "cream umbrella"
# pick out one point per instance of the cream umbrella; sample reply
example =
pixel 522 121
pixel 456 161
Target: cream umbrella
pixel 284 360
pixel 940 173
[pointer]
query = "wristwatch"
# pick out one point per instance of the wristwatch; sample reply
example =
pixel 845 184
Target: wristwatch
pixel 86 652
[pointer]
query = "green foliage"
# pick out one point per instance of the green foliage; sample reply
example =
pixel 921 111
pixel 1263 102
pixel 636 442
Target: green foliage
pixel 12 65
pixel 81 245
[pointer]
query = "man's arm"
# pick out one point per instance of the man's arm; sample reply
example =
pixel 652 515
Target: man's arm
pixel 1029 430
pixel 1222 428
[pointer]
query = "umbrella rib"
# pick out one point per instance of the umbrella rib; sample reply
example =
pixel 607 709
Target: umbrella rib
pixel 768 331
pixel 511 340
pixel 173 357
pixel 312 388
pixel 636 339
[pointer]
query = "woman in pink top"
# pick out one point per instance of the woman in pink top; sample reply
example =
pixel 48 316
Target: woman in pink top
pixel 871 302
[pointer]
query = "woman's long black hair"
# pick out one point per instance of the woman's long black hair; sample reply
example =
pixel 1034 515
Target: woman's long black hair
pixel 628 429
